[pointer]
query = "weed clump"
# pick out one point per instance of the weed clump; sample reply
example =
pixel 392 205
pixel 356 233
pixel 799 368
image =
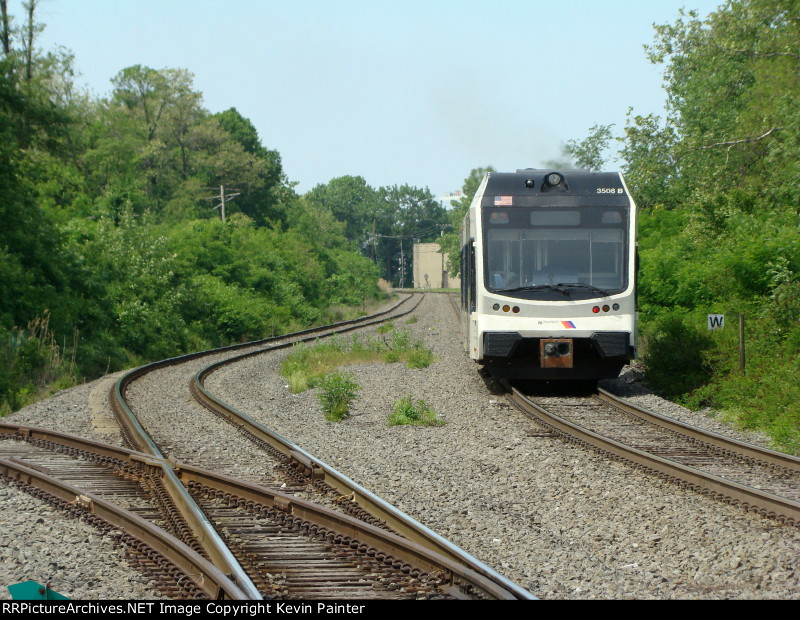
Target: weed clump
pixel 419 358
pixel 307 365
pixel 406 411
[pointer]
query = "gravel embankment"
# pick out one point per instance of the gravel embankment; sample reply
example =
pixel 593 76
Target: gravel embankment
pixel 559 520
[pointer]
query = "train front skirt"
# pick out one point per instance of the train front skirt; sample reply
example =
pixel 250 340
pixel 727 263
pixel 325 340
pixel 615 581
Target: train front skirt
pixel 508 355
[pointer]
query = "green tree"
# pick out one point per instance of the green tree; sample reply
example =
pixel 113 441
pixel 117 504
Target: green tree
pixel 732 96
pixel 410 214
pixel 350 200
pixel 265 203
pixel 589 153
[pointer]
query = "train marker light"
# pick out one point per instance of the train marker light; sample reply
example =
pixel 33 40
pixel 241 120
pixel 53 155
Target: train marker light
pixel 496 307
pixel 596 309
pixel 615 307
pixel 606 308
pixel 515 309
pixel 506 308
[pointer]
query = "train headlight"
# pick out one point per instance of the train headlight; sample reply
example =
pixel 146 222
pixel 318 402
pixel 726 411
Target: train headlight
pixel 496 307
pixel 553 179
pixel 615 306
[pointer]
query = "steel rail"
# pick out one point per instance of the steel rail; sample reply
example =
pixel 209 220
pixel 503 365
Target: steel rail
pixel 400 522
pixel 729 445
pixel 755 500
pixel 352 532
pixel 133 432
pixel 337 527
pixel 204 574
pixel 202 529
pixel 136 436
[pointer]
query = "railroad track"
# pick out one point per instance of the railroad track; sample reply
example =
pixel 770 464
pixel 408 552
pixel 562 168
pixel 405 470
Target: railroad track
pixel 290 548
pixel 234 542
pixel 306 470
pixel 119 492
pixel 757 479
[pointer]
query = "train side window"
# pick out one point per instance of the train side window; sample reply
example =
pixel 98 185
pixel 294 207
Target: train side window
pixel 464 277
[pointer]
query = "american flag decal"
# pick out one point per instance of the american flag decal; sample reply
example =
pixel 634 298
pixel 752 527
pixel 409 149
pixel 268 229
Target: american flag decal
pixel 502 201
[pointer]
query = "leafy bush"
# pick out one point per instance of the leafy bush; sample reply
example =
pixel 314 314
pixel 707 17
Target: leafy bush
pixel 406 411
pixel 674 355
pixel 337 392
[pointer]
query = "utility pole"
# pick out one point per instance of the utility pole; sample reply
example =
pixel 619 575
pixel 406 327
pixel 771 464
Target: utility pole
pixel 402 266
pixel 223 198
pixel 374 252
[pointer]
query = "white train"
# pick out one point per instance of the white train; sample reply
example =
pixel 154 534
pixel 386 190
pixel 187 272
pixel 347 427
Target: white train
pixel 548 265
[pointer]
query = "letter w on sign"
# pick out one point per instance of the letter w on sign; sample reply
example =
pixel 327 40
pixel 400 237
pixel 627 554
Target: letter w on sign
pixel 716 321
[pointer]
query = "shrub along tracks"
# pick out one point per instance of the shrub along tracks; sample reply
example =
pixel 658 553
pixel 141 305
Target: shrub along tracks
pixel 246 540
pixel 757 479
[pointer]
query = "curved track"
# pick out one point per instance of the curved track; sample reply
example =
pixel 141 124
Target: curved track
pixel 414 554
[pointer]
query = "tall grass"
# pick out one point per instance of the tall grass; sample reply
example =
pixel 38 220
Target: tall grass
pixel 33 365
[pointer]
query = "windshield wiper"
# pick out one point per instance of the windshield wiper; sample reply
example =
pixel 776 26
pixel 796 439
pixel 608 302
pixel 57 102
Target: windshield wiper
pixel 582 285
pixel 535 287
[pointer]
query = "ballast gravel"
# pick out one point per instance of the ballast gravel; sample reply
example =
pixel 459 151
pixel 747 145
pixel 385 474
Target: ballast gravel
pixel 37 543
pixel 561 521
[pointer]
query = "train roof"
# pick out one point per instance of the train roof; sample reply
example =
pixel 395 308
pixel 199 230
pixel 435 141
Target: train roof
pixel 575 182
pixel 540 187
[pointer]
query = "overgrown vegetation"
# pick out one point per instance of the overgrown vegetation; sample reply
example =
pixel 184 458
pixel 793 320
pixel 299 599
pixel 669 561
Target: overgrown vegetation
pixel 307 364
pixel 32 365
pixel 337 392
pixel 418 413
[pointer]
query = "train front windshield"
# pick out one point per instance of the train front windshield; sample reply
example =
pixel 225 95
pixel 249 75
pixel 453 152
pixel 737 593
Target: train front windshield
pixel 553 253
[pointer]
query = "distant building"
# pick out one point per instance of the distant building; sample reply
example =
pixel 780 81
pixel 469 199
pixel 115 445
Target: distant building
pixel 430 268
pixel 449 198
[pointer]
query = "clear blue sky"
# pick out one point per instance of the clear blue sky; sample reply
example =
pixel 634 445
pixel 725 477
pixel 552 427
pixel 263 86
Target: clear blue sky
pixel 400 91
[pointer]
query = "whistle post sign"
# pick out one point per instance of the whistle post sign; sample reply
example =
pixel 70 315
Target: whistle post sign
pixel 716 321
